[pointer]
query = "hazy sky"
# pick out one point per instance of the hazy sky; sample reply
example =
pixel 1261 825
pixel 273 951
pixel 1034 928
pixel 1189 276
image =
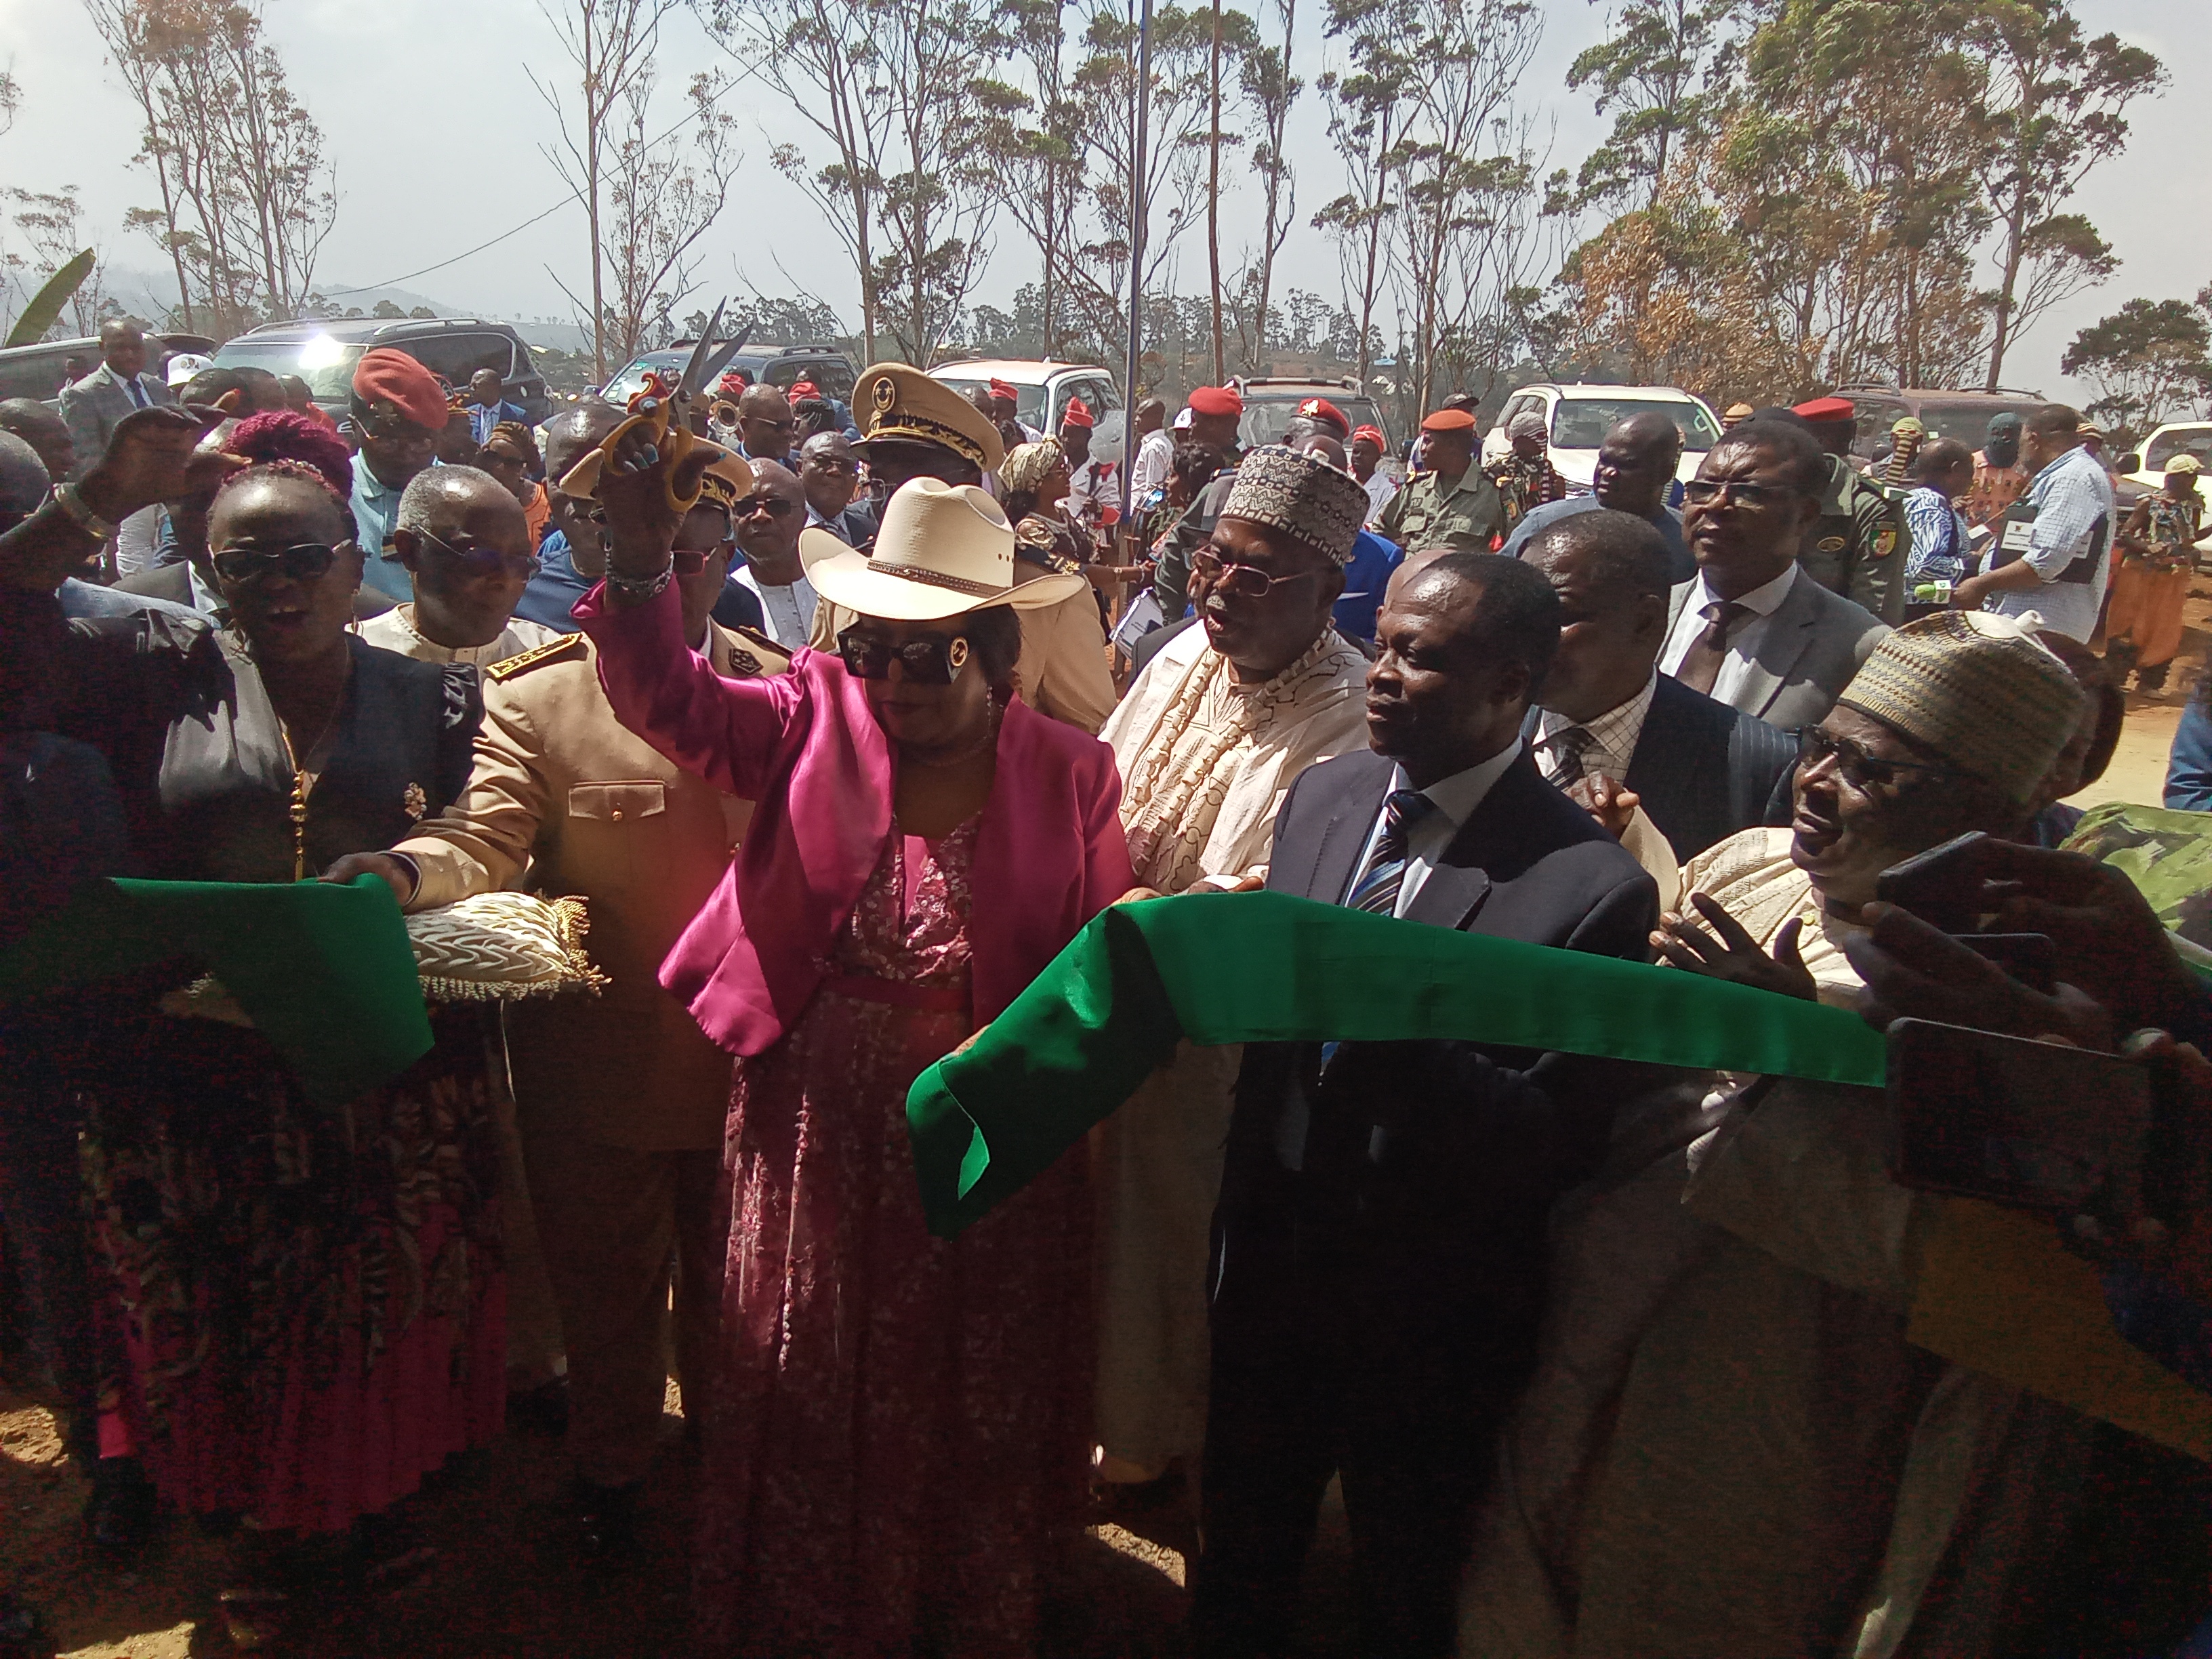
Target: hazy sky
pixel 435 131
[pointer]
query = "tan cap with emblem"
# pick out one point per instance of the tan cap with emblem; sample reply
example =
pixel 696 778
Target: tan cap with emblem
pixel 896 402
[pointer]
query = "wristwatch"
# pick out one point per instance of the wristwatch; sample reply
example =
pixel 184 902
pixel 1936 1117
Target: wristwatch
pixel 639 589
pixel 64 497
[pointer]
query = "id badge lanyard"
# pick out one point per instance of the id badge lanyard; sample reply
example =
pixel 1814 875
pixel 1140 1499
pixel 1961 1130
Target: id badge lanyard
pixel 2015 534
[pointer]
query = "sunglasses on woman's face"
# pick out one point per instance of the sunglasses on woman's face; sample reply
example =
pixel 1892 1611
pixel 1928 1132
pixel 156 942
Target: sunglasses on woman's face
pixel 306 563
pixel 476 561
pixel 932 659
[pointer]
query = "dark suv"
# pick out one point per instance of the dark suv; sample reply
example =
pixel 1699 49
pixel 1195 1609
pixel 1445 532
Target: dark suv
pixel 780 366
pixel 323 353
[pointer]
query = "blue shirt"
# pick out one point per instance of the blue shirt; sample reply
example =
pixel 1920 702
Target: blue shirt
pixel 375 510
pixel 2073 503
pixel 554 591
pixel 1366 574
pixel 483 418
pixel 1681 566
pixel 1939 533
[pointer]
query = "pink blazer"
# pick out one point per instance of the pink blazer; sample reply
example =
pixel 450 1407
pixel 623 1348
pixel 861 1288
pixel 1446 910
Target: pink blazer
pixel 806 748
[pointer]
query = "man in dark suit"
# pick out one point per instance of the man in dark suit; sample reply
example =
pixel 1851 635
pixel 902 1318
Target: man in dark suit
pixel 1700 769
pixel 1755 630
pixel 1379 1244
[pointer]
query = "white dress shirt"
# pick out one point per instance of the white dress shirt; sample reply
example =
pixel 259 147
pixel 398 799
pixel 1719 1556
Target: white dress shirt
pixel 1455 799
pixel 1155 455
pixel 789 611
pixel 395 630
pixel 1762 602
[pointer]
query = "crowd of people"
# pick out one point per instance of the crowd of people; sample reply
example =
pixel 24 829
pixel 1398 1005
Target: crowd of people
pixel 840 742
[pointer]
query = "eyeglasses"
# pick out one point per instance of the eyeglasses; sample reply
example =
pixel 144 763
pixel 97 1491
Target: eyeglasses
pixel 691 561
pixel 395 428
pixel 1242 581
pixel 1700 491
pixel 760 501
pixel 932 659
pixel 830 464
pixel 1860 769
pixel 484 560
pixel 306 563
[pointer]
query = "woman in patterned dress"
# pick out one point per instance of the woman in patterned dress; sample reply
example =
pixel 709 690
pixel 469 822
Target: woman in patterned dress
pixel 898 1448
pixel 307 1300
pixel 2157 546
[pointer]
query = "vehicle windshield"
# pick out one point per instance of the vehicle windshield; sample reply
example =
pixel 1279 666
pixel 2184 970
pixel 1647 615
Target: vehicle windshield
pixel 327 365
pixel 2181 441
pixel 631 381
pixel 1582 422
pixel 1266 416
pixel 1968 423
pixel 1028 400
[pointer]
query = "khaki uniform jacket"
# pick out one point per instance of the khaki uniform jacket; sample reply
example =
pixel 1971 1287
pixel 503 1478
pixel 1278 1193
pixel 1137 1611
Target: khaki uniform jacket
pixel 563 799
pixel 1422 514
pixel 1858 547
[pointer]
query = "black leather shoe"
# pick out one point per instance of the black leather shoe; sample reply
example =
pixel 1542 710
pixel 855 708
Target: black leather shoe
pixel 120 1514
pixel 607 1521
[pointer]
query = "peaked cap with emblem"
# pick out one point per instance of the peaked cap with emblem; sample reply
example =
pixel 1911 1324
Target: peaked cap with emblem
pixel 896 402
pixel 1301 495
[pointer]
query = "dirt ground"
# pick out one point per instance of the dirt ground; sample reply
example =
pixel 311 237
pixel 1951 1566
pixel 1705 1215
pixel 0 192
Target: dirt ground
pixel 508 1585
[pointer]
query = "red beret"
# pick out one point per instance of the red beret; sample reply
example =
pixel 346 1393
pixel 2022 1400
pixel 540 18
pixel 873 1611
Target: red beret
pixel 386 376
pixel 804 389
pixel 1077 414
pixel 1216 400
pixel 1004 389
pixel 734 383
pixel 1373 435
pixel 1449 420
pixel 1320 408
pixel 1826 409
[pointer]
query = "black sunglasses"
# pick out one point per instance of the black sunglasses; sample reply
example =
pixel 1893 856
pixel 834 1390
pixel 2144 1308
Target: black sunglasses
pixel 933 659
pixel 306 563
pixel 1702 490
pixel 1242 581
pixel 484 560
pixel 774 506
pixel 1861 770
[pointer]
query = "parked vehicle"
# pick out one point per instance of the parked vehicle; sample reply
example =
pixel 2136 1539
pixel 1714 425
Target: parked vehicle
pixel 1270 402
pixel 2143 472
pixel 38 371
pixel 1041 389
pixel 322 351
pixel 1964 415
pixel 780 366
pixel 1577 417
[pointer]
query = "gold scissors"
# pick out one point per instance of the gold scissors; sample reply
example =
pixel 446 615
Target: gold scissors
pixel 664 411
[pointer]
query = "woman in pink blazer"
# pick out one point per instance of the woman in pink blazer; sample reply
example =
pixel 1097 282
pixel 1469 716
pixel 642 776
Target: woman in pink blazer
pixel 898 1440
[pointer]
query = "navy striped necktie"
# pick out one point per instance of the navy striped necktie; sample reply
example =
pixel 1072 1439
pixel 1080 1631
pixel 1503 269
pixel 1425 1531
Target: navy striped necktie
pixel 1377 891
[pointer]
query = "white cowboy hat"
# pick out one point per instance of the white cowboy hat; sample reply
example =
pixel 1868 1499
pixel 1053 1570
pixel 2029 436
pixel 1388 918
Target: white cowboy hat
pixel 944 549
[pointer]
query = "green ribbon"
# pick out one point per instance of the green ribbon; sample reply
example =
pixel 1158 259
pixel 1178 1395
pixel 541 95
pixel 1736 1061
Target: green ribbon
pixel 326 972
pixel 1269 968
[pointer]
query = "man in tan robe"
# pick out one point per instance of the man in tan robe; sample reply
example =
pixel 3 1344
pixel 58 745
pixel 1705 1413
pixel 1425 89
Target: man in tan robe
pixel 1208 741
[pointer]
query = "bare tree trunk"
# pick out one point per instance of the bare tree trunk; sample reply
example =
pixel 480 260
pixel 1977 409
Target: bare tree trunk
pixel 1213 198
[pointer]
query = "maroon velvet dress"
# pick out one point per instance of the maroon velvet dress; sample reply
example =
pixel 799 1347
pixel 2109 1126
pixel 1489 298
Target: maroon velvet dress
pixel 896 1450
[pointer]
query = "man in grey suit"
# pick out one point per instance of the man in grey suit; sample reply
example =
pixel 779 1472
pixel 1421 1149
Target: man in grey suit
pixel 1752 629
pixel 92 405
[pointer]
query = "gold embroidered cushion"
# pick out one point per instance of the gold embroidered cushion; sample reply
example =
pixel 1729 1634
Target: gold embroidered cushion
pixel 503 947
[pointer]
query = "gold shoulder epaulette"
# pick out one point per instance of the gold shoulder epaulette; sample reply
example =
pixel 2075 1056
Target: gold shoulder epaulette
pixel 754 652
pixel 567 644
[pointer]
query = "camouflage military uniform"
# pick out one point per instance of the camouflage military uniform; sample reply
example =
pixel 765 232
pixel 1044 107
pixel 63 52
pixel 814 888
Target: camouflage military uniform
pixel 1857 546
pixel 1523 482
pixel 1469 516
